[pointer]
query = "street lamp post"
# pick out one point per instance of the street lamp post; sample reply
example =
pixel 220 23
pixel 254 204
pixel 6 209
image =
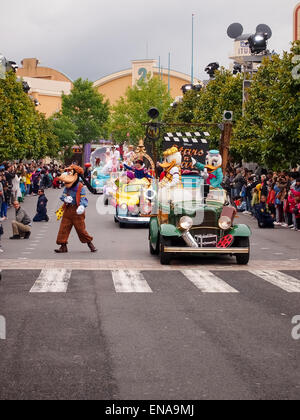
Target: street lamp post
pixel 192 68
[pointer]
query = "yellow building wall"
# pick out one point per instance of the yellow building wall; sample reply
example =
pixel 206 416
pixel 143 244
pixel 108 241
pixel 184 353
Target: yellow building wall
pixel 114 89
pixel 31 69
pixel 297 23
pixel 49 105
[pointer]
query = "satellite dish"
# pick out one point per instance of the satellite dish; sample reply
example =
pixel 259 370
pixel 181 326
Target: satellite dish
pixel 265 29
pixel 235 30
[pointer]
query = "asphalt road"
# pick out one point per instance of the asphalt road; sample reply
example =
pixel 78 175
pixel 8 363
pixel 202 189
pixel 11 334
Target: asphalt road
pixel 176 333
pixel 114 243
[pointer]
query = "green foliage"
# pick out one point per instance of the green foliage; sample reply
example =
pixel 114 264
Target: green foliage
pixel 131 111
pixel 269 133
pixel 24 133
pixel 225 92
pixel 86 110
pixel 65 131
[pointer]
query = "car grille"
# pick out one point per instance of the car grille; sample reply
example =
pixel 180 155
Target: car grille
pixel 210 220
pixel 207 233
pixel 207 240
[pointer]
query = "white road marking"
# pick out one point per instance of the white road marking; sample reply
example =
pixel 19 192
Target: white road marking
pixel 283 281
pixel 52 281
pixel 130 281
pixel 208 282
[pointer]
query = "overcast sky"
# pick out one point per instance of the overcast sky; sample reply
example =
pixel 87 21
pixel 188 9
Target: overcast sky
pixel 94 38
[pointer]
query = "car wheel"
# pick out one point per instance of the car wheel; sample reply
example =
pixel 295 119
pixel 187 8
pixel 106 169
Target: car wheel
pixel 122 225
pixel 116 220
pixel 165 259
pixel 154 251
pixel 243 259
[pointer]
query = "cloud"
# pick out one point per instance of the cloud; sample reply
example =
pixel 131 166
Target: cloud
pixel 94 38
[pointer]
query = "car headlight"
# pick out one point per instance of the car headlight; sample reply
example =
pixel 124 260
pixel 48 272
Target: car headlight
pixel 185 223
pixel 225 222
pixel 150 194
pixel 124 207
pixel 97 182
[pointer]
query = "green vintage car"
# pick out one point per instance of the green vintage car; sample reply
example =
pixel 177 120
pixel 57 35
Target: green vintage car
pixel 200 227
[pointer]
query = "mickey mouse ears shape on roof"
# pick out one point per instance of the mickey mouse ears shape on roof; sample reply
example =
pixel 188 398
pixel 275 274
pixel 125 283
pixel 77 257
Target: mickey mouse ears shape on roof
pixel 235 30
pixel 265 29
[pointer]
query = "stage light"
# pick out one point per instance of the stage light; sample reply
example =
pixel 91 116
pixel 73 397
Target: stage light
pixel 211 69
pixel 237 68
pixel 186 88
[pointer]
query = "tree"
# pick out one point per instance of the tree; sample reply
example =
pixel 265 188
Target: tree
pixel 269 133
pixel 24 133
pixel 65 131
pixel 225 92
pixel 131 111
pixel 87 110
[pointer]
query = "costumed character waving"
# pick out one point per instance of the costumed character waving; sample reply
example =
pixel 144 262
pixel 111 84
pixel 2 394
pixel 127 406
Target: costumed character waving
pixel 73 210
pixel 213 167
pixel 171 176
pixel 139 170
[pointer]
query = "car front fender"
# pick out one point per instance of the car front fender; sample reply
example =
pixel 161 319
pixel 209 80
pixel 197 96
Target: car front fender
pixel 170 231
pixel 242 231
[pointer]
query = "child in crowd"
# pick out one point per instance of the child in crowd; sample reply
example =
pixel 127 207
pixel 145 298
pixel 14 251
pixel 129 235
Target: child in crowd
pixel 41 211
pixel 263 214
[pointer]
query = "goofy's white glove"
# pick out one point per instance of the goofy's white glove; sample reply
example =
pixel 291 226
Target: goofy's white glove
pixel 68 200
pixel 80 210
pixel 194 161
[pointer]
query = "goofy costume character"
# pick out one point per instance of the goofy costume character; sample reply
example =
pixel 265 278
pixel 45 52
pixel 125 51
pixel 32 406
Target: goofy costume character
pixel 213 167
pixel 75 203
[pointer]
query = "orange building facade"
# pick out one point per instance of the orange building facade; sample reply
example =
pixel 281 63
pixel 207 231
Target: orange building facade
pixel 47 85
pixel 297 23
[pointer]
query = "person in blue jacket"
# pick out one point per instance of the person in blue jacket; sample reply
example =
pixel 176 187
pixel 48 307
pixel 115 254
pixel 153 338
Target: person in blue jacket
pixel 139 170
pixel 41 211
pixel 263 214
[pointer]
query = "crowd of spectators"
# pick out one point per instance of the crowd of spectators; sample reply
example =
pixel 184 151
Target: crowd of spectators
pixel 20 180
pixel 273 198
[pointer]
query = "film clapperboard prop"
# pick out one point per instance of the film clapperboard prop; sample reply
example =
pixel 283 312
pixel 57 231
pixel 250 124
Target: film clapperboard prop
pixel 191 145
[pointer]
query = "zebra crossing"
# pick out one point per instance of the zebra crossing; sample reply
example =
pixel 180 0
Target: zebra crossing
pixel 135 281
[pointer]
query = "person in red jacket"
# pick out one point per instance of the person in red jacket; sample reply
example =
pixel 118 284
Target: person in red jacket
pixel 296 214
pixel 271 201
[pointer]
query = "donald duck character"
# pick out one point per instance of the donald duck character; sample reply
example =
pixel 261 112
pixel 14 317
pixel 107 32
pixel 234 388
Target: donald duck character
pixel 171 177
pixel 213 167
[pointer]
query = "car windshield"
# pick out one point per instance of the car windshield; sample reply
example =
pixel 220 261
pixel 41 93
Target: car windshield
pixel 216 195
pixel 132 188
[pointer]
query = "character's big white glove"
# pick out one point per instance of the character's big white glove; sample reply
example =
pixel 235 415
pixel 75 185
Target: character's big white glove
pixel 80 210
pixel 68 200
pixel 194 162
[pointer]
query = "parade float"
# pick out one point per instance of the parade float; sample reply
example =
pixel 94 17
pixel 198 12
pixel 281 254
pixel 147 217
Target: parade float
pixel 130 191
pixel 105 162
pixel 192 215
